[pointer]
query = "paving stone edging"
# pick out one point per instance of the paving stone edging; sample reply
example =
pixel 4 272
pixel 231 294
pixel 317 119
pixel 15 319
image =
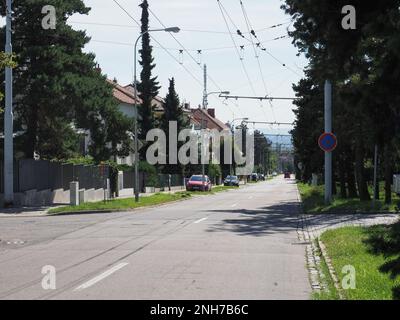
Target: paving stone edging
pixel 313 260
pixel 311 235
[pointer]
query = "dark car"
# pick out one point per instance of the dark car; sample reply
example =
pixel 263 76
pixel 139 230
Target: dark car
pixel 231 181
pixel 254 177
pixel 287 175
pixel 196 183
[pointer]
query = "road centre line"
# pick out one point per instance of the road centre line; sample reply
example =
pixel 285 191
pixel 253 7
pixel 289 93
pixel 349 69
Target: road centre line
pixel 101 276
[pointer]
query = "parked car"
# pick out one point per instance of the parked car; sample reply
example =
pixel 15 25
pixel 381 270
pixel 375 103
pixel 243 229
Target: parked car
pixel 231 181
pixel 287 175
pixel 274 174
pixel 254 177
pixel 196 183
pixel 261 177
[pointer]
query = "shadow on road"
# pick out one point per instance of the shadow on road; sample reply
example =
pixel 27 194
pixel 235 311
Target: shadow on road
pixel 282 218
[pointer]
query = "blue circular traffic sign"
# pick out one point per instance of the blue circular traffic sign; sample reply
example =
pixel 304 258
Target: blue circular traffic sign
pixel 327 142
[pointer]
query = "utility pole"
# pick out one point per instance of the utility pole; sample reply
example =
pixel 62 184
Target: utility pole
pixel 8 119
pixel 203 169
pixel 328 154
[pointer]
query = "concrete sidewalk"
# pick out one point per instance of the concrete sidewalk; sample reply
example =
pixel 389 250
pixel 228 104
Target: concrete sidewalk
pixel 25 211
pixel 42 211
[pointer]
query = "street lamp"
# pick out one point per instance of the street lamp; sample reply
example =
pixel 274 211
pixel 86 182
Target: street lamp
pixel 136 146
pixel 205 102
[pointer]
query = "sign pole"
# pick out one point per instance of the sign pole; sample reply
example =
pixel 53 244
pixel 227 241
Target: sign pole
pixel 328 154
pixel 8 119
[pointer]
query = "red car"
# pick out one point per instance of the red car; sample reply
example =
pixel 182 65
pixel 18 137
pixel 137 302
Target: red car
pixel 287 175
pixel 196 183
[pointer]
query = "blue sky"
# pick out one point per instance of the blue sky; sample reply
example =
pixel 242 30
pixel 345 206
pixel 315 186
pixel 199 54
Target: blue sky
pixel 113 33
pixel 112 44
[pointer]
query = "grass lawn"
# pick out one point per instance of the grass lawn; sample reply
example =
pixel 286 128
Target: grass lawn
pixel 129 203
pixel 375 254
pixel 313 202
pixel 124 204
pixel 330 293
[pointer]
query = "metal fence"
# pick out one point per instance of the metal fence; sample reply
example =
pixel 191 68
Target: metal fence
pixel 163 180
pixel 129 180
pixel 160 181
pixel 39 175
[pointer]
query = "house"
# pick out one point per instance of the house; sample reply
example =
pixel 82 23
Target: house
pixel 158 102
pixel 126 104
pixel 125 96
pixel 208 118
pixel 126 99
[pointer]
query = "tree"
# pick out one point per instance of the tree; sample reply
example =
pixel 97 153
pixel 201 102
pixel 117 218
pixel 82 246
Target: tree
pixel 6 60
pixel 148 87
pixel 57 87
pixel 364 66
pixel 173 111
pixel 262 148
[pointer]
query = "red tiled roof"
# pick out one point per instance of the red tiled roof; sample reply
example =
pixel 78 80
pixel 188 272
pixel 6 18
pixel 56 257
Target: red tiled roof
pixel 160 100
pixel 210 122
pixel 123 95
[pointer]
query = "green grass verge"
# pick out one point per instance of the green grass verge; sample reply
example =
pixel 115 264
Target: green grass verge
pixel 129 203
pixel 124 204
pixel 329 292
pixel 313 202
pixel 374 252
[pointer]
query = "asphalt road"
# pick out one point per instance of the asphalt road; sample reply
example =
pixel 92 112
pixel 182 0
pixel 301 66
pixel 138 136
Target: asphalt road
pixel 241 244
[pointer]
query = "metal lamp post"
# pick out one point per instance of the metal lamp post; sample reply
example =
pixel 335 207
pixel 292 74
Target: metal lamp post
pixel 205 103
pixel 136 144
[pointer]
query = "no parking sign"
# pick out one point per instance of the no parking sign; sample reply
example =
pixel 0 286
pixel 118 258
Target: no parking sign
pixel 327 142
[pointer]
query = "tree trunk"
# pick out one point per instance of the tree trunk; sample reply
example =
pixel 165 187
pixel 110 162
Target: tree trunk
pixel 376 185
pixel 360 174
pixel 334 187
pixel 31 134
pixel 388 173
pixel 351 182
pixel 342 178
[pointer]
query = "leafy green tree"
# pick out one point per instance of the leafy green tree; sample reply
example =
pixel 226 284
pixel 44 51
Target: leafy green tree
pixel 148 87
pixel 6 60
pixel 58 88
pixel 173 112
pixel 262 147
pixel 363 65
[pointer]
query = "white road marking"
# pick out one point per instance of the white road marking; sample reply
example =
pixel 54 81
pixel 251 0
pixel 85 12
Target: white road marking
pixel 200 220
pixel 234 205
pixel 251 197
pixel 101 276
